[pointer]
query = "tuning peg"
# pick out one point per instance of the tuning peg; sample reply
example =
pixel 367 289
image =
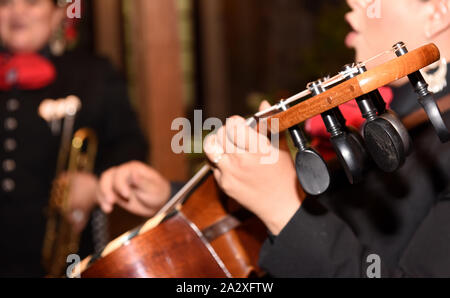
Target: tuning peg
pixel 312 170
pixel 387 140
pixel 426 98
pixel 391 117
pixel 384 144
pixel 348 144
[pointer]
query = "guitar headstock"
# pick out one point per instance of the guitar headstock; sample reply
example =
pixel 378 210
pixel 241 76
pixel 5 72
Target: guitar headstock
pixel 384 138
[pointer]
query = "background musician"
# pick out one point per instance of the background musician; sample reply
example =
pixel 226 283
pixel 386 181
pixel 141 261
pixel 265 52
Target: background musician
pixel 34 67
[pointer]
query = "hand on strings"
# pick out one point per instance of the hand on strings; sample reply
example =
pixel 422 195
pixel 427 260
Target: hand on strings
pixel 262 180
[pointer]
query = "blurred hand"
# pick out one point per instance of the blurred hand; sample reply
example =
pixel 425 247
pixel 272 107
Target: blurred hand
pixel 271 191
pixel 82 197
pixel 134 186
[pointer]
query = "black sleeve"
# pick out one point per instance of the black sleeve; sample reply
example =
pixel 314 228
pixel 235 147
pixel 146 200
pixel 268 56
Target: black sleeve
pixel 316 243
pixel 319 244
pixel 427 254
pixel 121 139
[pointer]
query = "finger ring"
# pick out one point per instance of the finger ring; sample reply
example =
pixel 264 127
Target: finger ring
pixel 218 159
pixel 78 215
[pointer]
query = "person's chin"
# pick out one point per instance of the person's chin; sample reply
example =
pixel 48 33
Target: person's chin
pixel 21 46
pixel 359 53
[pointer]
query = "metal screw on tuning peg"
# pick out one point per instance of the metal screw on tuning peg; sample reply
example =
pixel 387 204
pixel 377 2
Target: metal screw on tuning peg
pixel 347 144
pixel 387 140
pixel 312 170
pixel 426 98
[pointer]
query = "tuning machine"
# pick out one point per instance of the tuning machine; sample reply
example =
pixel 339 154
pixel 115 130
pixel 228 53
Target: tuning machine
pixel 386 138
pixel 425 97
pixel 312 170
pixel 347 143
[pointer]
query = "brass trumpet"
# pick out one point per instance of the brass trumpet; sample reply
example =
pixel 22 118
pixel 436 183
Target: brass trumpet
pixel 60 239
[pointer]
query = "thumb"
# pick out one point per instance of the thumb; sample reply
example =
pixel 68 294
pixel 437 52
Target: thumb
pixel 264 105
pixel 263 126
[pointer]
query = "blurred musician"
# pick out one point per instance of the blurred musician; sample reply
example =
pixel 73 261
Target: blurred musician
pixel 400 217
pixel 35 67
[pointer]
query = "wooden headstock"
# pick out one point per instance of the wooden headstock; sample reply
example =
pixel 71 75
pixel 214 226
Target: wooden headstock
pixel 371 80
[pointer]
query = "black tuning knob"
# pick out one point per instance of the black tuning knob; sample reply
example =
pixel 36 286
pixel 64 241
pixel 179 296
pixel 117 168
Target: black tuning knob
pixel 426 98
pixel 391 117
pixel 387 140
pixel 384 144
pixel 312 170
pixel 347 144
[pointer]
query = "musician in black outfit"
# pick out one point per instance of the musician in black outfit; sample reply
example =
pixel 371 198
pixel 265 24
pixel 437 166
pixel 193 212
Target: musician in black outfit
pixel 31 70
pixel 399 220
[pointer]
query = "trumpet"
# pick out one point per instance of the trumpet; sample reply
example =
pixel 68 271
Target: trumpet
pixel 60 238
pixel 77 154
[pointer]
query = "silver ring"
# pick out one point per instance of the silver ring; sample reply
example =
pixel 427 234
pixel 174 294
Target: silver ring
pixel 78 215
pixel 218 159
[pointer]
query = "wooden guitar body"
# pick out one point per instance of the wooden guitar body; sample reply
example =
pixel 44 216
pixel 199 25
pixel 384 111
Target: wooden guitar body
pixel 182 245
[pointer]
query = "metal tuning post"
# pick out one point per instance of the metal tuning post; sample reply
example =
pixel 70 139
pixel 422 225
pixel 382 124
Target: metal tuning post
pixel 347 143
pixel 312 170
pixel 426 98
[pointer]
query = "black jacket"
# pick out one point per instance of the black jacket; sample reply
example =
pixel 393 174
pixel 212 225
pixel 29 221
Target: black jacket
pixel 402 217
pixel 105 108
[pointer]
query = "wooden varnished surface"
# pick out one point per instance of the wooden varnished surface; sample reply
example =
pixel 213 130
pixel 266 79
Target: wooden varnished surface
pixel 398 68
pixel 316 105
pixel 169 250
pixel 174 249
pixel 372 79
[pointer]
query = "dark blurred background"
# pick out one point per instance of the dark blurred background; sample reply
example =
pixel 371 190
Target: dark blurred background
pixel 232 51
pixel 271 49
